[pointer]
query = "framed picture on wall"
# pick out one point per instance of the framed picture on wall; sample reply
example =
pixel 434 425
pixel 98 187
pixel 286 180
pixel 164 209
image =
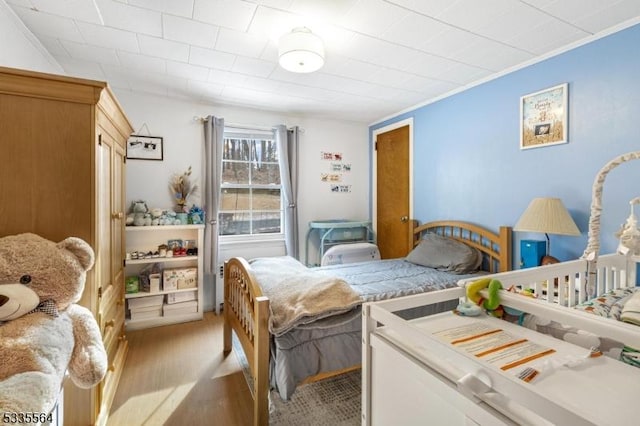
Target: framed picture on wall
pixel 144 147
pixel 543 117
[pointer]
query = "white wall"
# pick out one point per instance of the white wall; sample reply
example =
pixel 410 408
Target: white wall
pixel 315 199
pixel 21 49
pixel 183 144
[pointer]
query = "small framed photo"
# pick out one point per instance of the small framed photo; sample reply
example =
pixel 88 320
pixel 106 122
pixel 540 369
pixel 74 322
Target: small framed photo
pixel 144 147
pixel 336 167
pixel 174 244
pixel 543 117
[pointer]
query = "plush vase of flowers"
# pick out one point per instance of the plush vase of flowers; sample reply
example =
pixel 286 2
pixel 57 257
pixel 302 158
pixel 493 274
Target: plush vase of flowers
pixel 181 188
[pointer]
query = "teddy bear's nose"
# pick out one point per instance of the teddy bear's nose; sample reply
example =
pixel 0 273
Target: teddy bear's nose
pixel 3 299
pixel 25 279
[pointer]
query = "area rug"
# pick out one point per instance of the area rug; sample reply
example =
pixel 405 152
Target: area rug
pixel 334 401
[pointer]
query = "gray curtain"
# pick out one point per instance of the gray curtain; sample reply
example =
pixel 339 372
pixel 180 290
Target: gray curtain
pixel 287 143
pixel 213 140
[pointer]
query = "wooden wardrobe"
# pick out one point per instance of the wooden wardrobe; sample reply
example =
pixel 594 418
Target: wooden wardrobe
pixel 63 145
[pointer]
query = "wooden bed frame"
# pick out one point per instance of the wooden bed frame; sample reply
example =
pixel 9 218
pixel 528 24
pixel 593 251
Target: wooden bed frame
pixel 246 309
pixel 496 248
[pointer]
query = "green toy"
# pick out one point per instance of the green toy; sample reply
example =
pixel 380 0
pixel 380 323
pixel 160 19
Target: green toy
pixel 492 304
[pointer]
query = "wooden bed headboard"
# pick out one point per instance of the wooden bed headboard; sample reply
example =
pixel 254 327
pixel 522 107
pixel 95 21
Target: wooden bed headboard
pixel 495 247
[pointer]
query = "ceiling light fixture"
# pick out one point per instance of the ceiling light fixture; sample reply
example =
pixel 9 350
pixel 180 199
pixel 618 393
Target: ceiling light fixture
pixel 301 51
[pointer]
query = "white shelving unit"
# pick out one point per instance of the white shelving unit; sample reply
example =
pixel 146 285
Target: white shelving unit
pixel 148 238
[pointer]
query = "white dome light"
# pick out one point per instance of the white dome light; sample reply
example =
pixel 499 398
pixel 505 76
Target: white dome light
pixel 301 51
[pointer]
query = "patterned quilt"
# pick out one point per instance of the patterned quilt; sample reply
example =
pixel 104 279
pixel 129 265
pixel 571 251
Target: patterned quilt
pixel 609 305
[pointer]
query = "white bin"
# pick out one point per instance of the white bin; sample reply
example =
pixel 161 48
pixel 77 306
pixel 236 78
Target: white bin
pixel 350 253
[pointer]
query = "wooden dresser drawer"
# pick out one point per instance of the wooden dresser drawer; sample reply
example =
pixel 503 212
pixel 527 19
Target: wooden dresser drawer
pixel 117 355
pixel 112 321
pixel 110 294
pixel 112 298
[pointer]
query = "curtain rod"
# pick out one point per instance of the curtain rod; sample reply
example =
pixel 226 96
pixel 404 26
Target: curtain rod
pixel 247 126
pixel 242 126
pixel 236 125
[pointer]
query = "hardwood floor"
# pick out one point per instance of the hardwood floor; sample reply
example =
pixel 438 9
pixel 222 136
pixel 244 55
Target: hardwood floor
pixel 177 375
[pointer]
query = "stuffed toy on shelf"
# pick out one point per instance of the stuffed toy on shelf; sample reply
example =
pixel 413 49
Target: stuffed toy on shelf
pixel 43 332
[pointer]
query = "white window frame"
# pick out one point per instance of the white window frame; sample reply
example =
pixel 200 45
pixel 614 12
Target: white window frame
pixel 253 134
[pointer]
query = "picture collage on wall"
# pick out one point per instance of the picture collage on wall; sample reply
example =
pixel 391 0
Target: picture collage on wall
pixel 337 171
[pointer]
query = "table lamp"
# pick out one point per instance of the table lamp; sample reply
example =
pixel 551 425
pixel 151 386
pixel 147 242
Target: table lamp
pixel 549 216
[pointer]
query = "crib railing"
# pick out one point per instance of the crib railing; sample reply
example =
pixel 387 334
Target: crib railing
pixel 565 283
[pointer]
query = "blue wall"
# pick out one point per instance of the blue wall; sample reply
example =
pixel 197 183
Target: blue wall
pixel 467 160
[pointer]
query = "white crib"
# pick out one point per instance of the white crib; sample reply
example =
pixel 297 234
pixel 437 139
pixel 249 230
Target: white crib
pixel 571 286
pixel 570 281
pixel 412 377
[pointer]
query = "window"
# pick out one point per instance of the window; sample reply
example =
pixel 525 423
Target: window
pixel 250 201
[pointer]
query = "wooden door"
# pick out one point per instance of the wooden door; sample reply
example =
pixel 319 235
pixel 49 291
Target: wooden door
pixel 392 193
pixel 117 234
pixel 117 217
pixel 104 252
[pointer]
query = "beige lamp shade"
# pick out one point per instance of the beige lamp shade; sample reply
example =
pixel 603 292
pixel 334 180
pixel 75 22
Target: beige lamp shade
pixel 547 215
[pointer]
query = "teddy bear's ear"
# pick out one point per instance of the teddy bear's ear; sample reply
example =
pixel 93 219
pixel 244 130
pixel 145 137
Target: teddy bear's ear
pixel 81 250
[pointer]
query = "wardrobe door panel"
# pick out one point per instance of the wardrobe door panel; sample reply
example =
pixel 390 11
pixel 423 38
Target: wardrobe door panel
pixel 46 151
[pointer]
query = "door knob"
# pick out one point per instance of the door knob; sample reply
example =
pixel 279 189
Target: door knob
pixel 404 219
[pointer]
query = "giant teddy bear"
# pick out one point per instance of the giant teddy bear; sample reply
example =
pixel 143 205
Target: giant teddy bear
pixel 43 332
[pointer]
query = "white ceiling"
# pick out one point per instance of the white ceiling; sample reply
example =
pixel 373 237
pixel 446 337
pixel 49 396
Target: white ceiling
pixel 382 56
